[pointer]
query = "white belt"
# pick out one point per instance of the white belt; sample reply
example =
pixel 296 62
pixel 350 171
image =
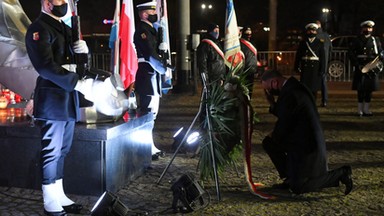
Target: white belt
pixel 313 58
pixel 141 60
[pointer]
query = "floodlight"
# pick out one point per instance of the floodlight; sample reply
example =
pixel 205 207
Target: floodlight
pixel 109 205
pixel 179 137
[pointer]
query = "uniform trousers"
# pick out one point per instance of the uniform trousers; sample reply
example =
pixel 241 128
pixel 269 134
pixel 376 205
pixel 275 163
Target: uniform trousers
pixel 147 104
pixel 56 142
pixel 284 161
pixel 324 89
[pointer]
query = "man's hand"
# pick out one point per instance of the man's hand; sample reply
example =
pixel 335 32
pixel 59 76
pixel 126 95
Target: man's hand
pixel 270 98
pixel 80 46
pixel 85 86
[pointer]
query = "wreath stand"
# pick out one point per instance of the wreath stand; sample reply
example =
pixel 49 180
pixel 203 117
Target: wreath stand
pixel 203 105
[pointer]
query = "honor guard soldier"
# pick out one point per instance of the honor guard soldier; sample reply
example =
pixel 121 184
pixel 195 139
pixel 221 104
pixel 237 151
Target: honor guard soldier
pixel 310 59
pixel 250 57
pixel 150 68
pixel 210 60
pixel 56 103
pixel 210 56
pixel 363 50
pixel 324 36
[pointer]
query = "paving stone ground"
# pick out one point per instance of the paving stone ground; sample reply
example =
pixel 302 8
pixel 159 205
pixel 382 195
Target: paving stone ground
pixel 350 140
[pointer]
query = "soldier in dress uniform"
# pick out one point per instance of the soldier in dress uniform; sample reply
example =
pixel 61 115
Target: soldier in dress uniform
pixel 250 55
pixel 310 59
pixel 150 68
pixel 56 102
pixel 363 50
pixel 210 56
pixel 324 36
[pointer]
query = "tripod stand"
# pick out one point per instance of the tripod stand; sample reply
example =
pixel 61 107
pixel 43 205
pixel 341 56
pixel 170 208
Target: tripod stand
pixel 203 105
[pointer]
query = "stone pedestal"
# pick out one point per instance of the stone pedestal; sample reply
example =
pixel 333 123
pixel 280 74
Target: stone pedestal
pixel 103 156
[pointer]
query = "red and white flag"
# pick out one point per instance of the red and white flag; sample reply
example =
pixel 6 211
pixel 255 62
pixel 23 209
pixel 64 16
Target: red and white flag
pixel 232 51
pixel 128 56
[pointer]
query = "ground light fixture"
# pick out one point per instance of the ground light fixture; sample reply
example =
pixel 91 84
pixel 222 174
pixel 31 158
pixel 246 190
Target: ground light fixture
pixel 179 137
pixel 109 205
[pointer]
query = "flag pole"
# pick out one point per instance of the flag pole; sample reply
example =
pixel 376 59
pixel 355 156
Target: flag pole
pixel 116 78
pixel 116 67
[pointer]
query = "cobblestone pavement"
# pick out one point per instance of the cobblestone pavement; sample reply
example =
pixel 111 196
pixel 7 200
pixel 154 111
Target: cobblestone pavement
pixel 350 140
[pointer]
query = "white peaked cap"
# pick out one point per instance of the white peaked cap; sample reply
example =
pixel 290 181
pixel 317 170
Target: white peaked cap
pixel 368 23
pixel 312 26
pixel 147 6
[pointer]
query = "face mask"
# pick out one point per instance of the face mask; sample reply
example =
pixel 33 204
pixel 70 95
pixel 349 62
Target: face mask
pixel 311 35
pixel 152 18
pixel 60 10
pixel 214 34
pixel 366 32
pixel 247 36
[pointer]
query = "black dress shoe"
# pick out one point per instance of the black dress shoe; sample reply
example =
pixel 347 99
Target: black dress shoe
pixel 360 114
pixel 282 186
pixel 367 114
pixel 155 157
pixel 346 179
pixel 73 209
pixel 60 213
pixel 161 154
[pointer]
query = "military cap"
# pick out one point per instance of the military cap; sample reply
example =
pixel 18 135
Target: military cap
pixel 368 23
pixel 247 30
pixel 312 26
pixel 212 26
pixel 147 6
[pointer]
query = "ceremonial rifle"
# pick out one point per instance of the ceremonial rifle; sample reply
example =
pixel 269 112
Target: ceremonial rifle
pixel 83 60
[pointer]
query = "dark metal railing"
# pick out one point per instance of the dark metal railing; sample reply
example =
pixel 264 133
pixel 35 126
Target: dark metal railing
pixel 339 66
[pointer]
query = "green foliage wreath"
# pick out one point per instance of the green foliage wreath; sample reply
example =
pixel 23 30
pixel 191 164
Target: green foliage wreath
pixel 223 101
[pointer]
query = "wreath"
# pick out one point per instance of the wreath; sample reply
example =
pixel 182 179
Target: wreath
pixel 231 116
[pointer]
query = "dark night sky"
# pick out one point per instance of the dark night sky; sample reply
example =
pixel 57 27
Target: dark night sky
pixel 293 14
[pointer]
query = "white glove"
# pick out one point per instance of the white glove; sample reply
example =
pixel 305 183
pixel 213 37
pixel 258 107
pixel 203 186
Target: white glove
pixel 108 101
pixel 70 67
pixel 85 86
pixel 80 46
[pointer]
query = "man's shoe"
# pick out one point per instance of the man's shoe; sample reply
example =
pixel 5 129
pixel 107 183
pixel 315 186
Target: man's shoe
pixel 155 157
pixel 161 153
pixel 346 179
pixel 60 213
pixel 360 114
pixel 282 186
pixel 73 209
pixel 367 114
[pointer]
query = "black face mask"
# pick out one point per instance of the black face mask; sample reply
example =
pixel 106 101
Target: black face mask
pixel 247 36
pixel 60 10
pixel 311 35
pixel 152 18
pixel 366 32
